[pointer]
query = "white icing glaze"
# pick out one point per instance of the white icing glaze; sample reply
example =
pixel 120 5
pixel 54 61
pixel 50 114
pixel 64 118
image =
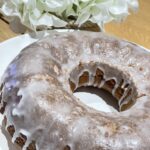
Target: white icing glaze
pixel 40 104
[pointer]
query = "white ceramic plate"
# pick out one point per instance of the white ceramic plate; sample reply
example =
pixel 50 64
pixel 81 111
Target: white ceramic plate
pixel 8 50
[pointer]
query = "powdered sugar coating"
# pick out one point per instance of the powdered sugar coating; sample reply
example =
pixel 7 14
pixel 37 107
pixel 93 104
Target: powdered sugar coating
pixel 47 112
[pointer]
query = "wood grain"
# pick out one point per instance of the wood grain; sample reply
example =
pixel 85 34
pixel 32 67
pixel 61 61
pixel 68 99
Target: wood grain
pixel 135 28
pixel 5 32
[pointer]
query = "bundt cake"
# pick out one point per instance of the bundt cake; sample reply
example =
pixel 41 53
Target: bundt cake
pixel 41 113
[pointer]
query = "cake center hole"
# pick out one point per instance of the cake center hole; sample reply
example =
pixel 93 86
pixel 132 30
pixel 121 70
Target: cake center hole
pixel 110 85
pixel 96 98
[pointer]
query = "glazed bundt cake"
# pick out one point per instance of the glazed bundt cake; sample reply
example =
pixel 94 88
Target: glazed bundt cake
pixel 37 99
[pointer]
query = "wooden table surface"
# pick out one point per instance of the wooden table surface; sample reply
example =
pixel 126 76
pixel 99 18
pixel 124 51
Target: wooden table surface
pixel 135 28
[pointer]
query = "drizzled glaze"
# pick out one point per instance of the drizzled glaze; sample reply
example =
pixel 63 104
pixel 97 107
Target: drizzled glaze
pixel 37 92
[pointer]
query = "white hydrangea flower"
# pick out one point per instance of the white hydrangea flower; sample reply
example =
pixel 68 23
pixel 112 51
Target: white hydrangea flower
pixel 60 13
